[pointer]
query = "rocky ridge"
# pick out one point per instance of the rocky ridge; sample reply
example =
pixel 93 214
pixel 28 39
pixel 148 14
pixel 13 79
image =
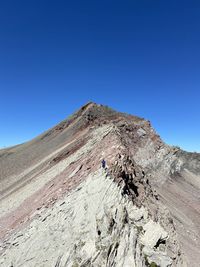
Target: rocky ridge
pixel 60 208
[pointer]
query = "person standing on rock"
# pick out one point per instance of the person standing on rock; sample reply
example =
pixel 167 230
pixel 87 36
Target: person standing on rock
pixel 103 164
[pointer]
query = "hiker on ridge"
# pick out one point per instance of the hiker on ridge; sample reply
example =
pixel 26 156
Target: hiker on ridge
pixel 103 164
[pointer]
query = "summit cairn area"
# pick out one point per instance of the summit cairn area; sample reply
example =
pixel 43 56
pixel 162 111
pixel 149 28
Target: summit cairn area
pixel 59 206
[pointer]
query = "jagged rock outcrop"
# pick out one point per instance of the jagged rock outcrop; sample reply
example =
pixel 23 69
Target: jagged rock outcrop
pixel 59 207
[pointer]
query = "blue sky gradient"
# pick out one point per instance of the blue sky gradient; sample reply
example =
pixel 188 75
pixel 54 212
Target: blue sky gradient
pixel 140 57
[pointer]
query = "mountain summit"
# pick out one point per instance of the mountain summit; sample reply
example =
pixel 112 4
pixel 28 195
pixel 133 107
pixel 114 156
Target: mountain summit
pixel 60 206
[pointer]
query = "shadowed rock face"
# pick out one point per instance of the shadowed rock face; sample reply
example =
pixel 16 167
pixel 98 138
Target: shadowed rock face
pixel 59 207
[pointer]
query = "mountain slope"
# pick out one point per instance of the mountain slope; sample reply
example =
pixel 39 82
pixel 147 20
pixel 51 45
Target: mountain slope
pixel 60 208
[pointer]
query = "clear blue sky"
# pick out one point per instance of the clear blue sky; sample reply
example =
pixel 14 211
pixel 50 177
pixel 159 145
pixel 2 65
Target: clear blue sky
pixel 140 57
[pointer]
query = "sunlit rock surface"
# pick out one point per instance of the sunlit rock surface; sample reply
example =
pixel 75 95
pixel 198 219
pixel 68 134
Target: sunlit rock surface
pixel 59 207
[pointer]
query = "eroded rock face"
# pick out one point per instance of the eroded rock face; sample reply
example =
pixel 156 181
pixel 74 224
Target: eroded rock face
pixel 94 225
pixel 59 207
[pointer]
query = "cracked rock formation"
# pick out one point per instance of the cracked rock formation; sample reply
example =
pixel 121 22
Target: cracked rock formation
pixel 60 208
